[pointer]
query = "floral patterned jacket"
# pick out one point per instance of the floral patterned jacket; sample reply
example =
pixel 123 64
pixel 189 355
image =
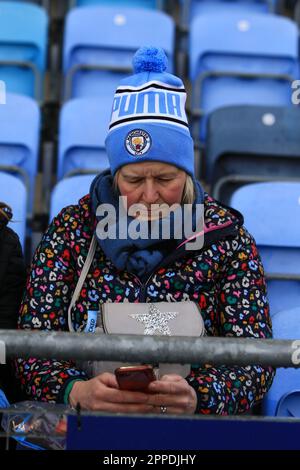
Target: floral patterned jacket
pixel 225 277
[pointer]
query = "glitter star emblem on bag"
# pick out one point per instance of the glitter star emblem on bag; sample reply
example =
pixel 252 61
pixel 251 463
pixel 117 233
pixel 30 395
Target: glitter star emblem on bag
pixel 155 320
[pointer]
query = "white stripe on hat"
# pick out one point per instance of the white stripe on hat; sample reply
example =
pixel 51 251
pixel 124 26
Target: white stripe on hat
pixel 154 83
pixel 154 104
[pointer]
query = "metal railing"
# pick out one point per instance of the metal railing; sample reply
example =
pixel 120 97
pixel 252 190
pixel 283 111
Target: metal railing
pixel 154 349
pixel 123 348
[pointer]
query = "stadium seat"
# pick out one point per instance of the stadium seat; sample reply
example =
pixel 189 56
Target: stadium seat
pixel 283 398
pixel 43 3
pixel 240 59
pixel 272 215
pixel 289 404
pixel 248 143
pixel 19 140
pixel 83 128
pixel 13 192
pixel 152 4
pixel 192 8
pixel 23 47
pixel 99 44
pixel 68 191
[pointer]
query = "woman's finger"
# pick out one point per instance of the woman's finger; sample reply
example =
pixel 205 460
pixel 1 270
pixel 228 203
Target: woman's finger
pixel 169 387
pixel 172 378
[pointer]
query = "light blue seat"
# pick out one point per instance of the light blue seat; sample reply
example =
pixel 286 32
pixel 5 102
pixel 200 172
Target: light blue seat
pixel 13 192
pixel 241 59
pixel 192 8
pixel 283 398
pixel 272 216
pixel 83 128
pixel 19 140
pixel 99 44
pixel 23 47
pixel 68 191
pixel 151 4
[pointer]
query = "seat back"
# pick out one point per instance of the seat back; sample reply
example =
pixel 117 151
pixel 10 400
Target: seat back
pixel 289 405
pixel 240 49
pixel 83 128
pixel 13 192
pixel 151 4
pixel 193 8
pixel 286 325
pixel 253 140
pixel 243 43
pixel 106 38
pixel 272 215
pixel 68 192
pixel 23 38
pixel 19 139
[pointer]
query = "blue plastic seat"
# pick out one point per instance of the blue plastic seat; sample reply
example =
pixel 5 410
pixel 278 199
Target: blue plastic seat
pixel 192 8
pixel 283 398
pixel 241 59
pixel 245 143
pixel 23 47
pixel 272 215
pixel 13 192
pixel 37 2
pixel 151 4
pixel 19 140
pixel 68 191
pixel 83 128
pixel 289 404
pixel 100 42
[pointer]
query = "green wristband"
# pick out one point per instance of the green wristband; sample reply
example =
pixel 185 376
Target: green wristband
pixel 68 390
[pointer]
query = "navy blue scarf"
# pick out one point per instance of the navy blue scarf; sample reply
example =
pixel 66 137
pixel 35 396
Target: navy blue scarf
pixel 139 256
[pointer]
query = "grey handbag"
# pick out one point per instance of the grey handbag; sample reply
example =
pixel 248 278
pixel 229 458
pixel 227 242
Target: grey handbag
pixel 160 318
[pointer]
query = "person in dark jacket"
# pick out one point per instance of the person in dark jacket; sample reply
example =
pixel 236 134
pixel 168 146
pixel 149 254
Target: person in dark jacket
pixel 12 283
pixel 151 162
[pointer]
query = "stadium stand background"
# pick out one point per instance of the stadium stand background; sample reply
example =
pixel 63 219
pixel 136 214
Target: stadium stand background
pixel 66 135
pixel 61 61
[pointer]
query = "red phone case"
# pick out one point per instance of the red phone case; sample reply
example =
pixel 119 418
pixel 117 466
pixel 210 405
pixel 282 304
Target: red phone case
pixel 135 377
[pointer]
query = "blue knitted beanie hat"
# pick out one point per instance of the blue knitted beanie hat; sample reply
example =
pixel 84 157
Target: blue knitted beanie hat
pixel 148 121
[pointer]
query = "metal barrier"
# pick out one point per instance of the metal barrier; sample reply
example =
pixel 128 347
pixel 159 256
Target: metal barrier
pixel 98 430
pixel 134 348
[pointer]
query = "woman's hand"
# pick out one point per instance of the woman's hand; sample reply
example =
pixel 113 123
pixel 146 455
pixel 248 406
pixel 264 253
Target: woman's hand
pixel 103 394
pixel 172 395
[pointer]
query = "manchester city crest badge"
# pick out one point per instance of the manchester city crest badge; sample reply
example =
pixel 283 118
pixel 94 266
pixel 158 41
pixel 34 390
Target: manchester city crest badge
pixel 138 142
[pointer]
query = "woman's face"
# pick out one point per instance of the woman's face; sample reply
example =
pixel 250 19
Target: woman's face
pixel 151 183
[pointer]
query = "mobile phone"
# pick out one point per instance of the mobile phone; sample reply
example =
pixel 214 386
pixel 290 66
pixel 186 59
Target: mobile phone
pixel 136 378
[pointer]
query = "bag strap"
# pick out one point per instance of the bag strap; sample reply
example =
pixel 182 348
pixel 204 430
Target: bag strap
pixel 80 282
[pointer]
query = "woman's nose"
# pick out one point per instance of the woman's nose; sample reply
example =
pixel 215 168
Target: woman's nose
pixel 150 192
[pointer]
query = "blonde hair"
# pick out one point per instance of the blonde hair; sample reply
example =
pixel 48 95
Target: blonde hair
pixel 188 195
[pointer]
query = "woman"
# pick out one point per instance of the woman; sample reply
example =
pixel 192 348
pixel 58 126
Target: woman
pixel 151 162
pixel 12 283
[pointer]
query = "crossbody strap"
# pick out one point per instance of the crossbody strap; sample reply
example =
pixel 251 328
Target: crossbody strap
pixel 83 274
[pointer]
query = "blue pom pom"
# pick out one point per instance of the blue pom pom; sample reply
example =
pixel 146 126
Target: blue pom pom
pixel 150 59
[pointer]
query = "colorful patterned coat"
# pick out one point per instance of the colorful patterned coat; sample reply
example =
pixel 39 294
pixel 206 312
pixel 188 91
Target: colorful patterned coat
pixel 225 277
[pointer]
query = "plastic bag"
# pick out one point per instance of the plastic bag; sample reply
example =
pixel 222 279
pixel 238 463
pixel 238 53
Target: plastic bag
pixel 37 425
